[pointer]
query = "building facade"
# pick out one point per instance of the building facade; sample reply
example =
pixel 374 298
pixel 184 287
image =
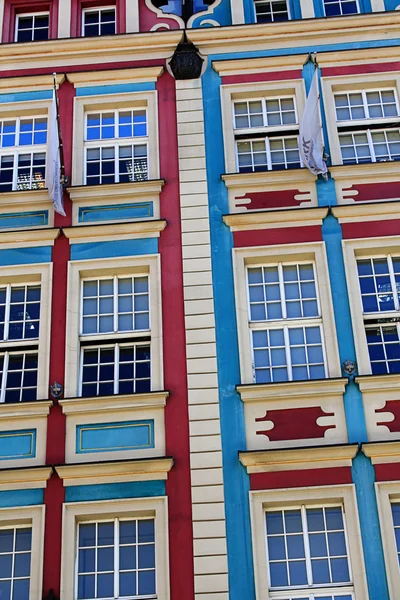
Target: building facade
pixel 200 362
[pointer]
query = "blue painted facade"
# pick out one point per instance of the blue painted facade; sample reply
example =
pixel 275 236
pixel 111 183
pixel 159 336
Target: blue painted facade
pixel 111 437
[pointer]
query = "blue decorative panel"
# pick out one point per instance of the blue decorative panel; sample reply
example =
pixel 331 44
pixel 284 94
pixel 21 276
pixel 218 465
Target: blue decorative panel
pixel 114 213
pixel 26 96
pixel 116 248
pixel 111 437
pixel 119 88
pixel 24 219
pixel 17 444
pixel 25 256
pixel 11 498
pixel 114 491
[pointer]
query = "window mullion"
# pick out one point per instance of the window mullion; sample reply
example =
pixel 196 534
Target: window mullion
pixel 116 558
pixel 116 368
pixel 393 282
pixel 306 540
pixel 15 169
pixel 7 314
pixel 268 151
pixel 371 145
pixel 96 542
pixel 116 162
pixel 81 373
pixel 365 103
pixel 115 311
pixel 282 291
pixel 5 376
pixel 287 351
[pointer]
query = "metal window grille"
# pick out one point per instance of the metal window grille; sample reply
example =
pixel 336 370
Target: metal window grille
pixel 116 559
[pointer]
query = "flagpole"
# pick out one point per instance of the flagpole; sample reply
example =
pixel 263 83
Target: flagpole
pixel 63 178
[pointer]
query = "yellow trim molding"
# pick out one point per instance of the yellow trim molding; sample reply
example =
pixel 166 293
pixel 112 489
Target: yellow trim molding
pixel 122 191
pixel 25 409
pixel 113 404
pixel 291 389
pixel 88 78
pixel 115 472
pixel 22 479
pixel 31 83
pixel 379 383
pixel 382 452
pixel 298 458
pixel 297 217
pixel 114 231
pixel 30 237
pixel 372 211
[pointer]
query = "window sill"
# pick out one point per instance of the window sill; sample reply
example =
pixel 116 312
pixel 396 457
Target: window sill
pixel 29 237
pixel 366 211
pixel 269 190
pixel 116 202
pixel 367 182
pixel 114 231
pixel 274 412
pixel 115 472
pixel 115 403
pixel 23 479
pixel 299 458
pixel 291 217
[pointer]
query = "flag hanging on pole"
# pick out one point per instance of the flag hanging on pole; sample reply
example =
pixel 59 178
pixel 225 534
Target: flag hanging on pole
pixel 54 185
pixel 311 141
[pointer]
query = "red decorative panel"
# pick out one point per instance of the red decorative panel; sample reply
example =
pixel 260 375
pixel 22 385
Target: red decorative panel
pixel 378 67
pixel 295 423
pixel 273 199
pixel 387 472
pixel 300 478
pixel 271 237
pixel 392 406
pixel 254 77
pixel 368 229
pixel 368 192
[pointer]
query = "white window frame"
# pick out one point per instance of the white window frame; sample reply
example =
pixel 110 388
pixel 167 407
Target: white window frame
pixel 369 82
pixel 291 253
pixel 364 93
pixel 354 250
pixel 107 268
pixel 79 512
pixel 340 2
pixel 250 92
pixel 116 142
pixel 312 497
pixel 16 150
pixel 271 2
pixel 388 493
pixel 32 517
pixel 328 588
pixel 98 10
pixel 112 103
pixel 40 274
pixel 34 14
pixel 9 287
pixel 285 323
pixel 6 358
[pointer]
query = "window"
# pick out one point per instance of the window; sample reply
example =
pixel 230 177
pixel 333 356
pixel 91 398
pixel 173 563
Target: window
pixel 368 126
pixel 116 146
pixel 307 547
pixel 118 308
pixel 23 153
pixel 101 21
pixel 379 281
pixel 266 134
pixel 272 10
pixel 336 8
pixel 32 28
pixel 116 559
pixel 285 323
pixel 396 524
pixel 15 563
pixel 19 324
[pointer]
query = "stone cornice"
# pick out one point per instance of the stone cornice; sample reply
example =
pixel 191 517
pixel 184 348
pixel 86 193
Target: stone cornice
pixel 275 218
pixel 122 191
pixel 377 171
pixel 26 200
pixel 23 479
pixel 291 389
pixel 245 181
pixel 71 406
pixel 115 472
pixel 379 383
pixel 30 83
pixel 23 410
pixel 298 458
pixel 116 76
pixel 371 211
pixel 91 233
pixel 31 237
pixel 382 452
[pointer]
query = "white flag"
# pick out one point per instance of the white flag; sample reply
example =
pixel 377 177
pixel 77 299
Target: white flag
pixel 54 163
pixel 311 142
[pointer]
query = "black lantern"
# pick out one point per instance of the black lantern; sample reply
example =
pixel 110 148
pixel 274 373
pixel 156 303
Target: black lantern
pixel 186 62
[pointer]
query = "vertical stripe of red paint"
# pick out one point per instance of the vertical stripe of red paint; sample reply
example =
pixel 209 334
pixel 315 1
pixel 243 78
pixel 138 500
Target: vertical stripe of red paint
pixel 387 472
pixel 176 414
pixel 368 229
pixel 300 478
pixel 55 454
pixel 271 237
pixel 254 77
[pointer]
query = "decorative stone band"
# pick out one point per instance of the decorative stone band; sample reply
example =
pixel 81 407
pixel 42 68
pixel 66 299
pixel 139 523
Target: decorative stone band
pixel 29 238
pixel 115 472
pixel 275 219
pixel 113 404
pixel 114 231
pixel 22 479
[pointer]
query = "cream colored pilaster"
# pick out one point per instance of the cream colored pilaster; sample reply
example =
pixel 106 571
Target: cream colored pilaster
pixel 64 19
pixel 132 16
pixel 210 555
pixel 237 12
pixel 377 5
pixel 2 2
pixel 307 9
